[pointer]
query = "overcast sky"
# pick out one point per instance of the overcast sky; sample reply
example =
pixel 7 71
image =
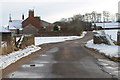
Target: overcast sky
pixel 53 10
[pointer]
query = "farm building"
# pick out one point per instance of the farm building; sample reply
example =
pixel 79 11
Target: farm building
pixel 31 25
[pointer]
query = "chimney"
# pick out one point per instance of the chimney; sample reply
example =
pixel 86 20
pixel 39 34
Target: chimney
pixel 10 20
pixel 22 16
pixel 31 13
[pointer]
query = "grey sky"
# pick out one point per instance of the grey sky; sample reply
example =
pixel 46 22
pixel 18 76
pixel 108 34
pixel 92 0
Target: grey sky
pixel 53 10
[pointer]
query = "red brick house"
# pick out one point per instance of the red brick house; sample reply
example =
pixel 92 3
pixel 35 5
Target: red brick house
pixel 63 28
pixel 47 26
pixel 32 25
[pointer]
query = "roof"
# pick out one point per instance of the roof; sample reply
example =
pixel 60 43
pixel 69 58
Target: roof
pixel 45 23
pixel 2 29
pixel 33 21
pixel 38 18
pixel 15 24
pixel 107 25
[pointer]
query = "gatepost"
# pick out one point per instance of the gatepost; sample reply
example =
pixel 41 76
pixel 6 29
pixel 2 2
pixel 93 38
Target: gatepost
pixel 118 37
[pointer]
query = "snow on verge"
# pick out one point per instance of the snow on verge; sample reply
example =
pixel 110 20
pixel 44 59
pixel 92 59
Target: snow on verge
pixel 6 60
pixel 109 50
pixel 43 40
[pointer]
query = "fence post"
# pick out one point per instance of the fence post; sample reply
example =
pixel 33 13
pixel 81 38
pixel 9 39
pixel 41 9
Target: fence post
pixel 118 37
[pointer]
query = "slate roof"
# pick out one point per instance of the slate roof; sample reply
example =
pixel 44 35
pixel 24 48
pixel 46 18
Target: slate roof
pixel 2 29
pixel 15 24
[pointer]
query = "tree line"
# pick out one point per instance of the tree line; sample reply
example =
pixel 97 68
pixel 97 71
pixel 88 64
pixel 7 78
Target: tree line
pixel 80 22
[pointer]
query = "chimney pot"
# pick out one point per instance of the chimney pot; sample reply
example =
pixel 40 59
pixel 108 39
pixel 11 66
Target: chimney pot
pixel 31 13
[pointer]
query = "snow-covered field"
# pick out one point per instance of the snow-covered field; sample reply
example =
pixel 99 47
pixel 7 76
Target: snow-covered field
pixel 112 33
pixel 109 50
pixel 43 40
pixel 6 60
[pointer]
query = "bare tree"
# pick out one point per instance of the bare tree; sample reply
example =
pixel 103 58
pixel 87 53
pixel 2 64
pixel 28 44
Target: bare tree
pixel 63 20
pixel 106 16
pixel 99 17
pixel 94 16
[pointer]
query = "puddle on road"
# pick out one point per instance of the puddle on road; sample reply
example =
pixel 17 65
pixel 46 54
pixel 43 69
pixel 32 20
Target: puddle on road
pixel 115 74
pixel 76 42
pixel 32 65
pixel 39 67
pixel 113 68
pixel 53 50
pixel 19 74
pixel 48 62
pixel 109 66
pixel 43 55
pixel 110 63
pixel 106 61
pixel 105 64
pixel 43 62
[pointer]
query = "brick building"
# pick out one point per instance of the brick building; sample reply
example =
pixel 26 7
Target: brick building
pixel 47 26
pixel 32 25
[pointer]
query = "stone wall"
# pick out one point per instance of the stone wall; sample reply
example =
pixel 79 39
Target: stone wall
pixel 11 44
pixel 100 37
pixel 25 40
pixel 100 40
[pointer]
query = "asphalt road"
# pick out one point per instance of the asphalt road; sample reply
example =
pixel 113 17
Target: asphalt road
pixel 66 60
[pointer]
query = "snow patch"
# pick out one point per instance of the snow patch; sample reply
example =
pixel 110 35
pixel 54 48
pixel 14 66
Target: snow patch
pixel 109 50
pixel 43 40
pixel 3 44
pixel 15 24
pixel 6 60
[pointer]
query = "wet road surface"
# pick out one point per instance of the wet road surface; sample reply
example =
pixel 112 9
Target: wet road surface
pixel 67 60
